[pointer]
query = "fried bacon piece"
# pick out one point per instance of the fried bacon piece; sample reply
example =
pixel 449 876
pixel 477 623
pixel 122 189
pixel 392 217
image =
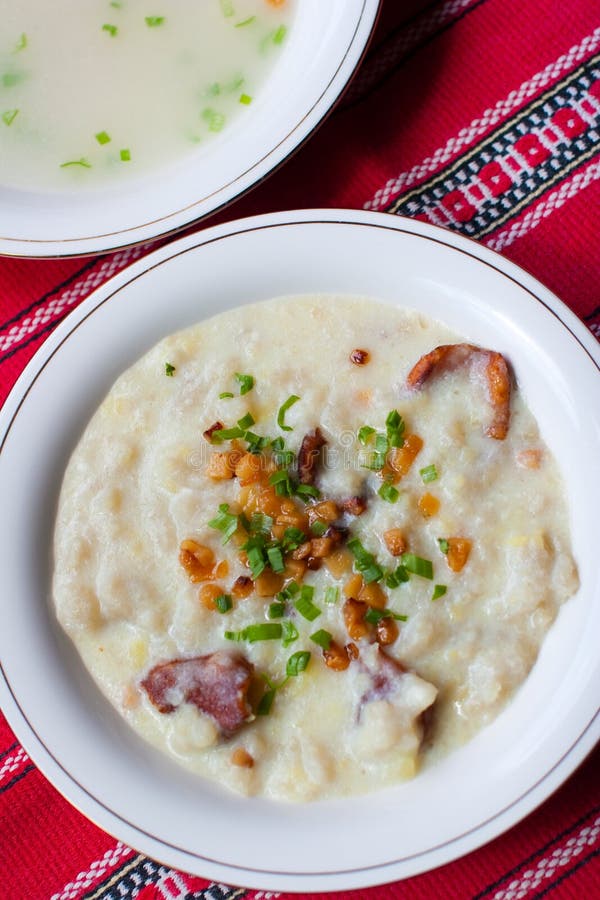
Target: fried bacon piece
pixel 308 456
pixel 497 377
pixel 208 434
pixel 217 684
pixel 354 506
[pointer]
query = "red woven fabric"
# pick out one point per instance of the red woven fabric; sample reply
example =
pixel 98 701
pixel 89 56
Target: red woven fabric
pixel 479 115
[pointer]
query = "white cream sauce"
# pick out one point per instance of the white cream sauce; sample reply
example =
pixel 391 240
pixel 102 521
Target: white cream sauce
pixel 137 486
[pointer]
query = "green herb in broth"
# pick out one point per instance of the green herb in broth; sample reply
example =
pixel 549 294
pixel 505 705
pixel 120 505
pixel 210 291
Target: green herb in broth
pixel 247 21
pixel 9 116
pixel 111 29
pixel 83 162
pixel 21 43
pixel 102 137
pixel 154 21
pixel 125 155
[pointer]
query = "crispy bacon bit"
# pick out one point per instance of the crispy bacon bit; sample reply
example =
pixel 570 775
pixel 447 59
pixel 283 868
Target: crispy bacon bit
pixel 428 505
pixel 451 356
pixel 353 586
pixel 302 552
pixel 352 651
pixel 336 535
pixel 458 553
pixel 217 684
pixel 354 612
pixel 355 506
pixel 221 466
pixel 387 631
pixel 321 547
pixel 336 657
pixel 395 541
pixel 360 357
pixel 240 757
pixel 339 562
pixel 197 560
pixel 268 583
pixel 402 458
pixel 529 459
pixel 208 434
pixel 373 595
pixel 308 456
pixel 314 563
pixel 248 468
pixel 242 587
pixel 208 595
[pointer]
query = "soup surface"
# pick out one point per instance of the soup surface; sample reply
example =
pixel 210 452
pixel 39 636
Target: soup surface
pixel 307 546
pixel 101 90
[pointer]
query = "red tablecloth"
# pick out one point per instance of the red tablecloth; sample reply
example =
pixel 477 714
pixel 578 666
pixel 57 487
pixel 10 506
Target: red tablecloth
pixel 482 116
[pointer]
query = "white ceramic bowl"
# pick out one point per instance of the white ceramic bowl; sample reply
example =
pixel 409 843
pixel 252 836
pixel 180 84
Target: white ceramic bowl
pixel 79 741
pixel 323 48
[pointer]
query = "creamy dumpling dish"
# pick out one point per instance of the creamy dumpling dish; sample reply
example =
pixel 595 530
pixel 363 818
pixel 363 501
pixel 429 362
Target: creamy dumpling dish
pixel 105 90
pixel 310 546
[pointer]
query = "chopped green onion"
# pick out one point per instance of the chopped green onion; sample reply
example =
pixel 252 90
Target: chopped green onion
pixel 396 578
pixel 289 633
pixel 214 119
pixel 307 490
pixel 266 702
pixel 331 595
pixel 226 434
pixel 227 8
pixel 281 481
pixel 395 426
pixel 21 43
pixel 116 3
pixel 282 456
pixel 246 383
pixel 297 662
pixel 246 421
pixel 169 370
pixel 256 443
pixel 282 411
pixel 374 616
pixel 264 631
pixel 292 538
pixel 10 79
pixel 365 562
pixel 225 522
pixel 276 610
pixel 443 545
pixel 429 473
pixel 245 99
pixel 256 559
pixel 275 557
pixel 153 21
pixel 417 565
pixel 288 592
pixel 365 433
pixel 318 528
pixel 225 395
pixel 111 29
pixel 125 154
pixel 233 635
pixel 388 492
pixel 102 137
pixel 224 603
pixel 84 163
pixel 439 591
pixel 322 638
pixel 260 523
pixel 279 34
pixel 9 116
pixel 245 22
pixel 304 603
pixel 379 457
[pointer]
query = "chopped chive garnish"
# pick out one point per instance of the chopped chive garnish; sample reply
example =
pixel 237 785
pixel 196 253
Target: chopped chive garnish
pixel 282 411
pixel 10 79
pixel 227 8
pixel 443 545
pixel 246 383
pixel 226 434
pixel 374 616
pixel 276 559
pixel 264 631
pixel 365 562
pixel 169 370
pixel 292 538
pixel 297 662
pixel 245 99
pixel 304 603
pixel 246 421
pixel 307 490
pixel 388 492
pixel 266 702
pixel 318 528
pixel 429 473
pixel 288 592
pixel 365 433
pixel 21 43
pixel 116 4
pixel 153 21
pixel 256 443
pixel 125 154
pixel 260 523
pixel 110 29
pixel 396 578
pixel 102 137
pixel 84 163
pixel 394 426
pixel 331 595
pixel 215 120
pixel 438 591
pixel 289 633
pixel 276 610
pixel 225 395
pixel 245 22
pixel 9 116
pixel 256 560
pixel 224 603
pixel 225 522
pixel 279 34
pixel 233 635
pixel 417 565
pixel 322 638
